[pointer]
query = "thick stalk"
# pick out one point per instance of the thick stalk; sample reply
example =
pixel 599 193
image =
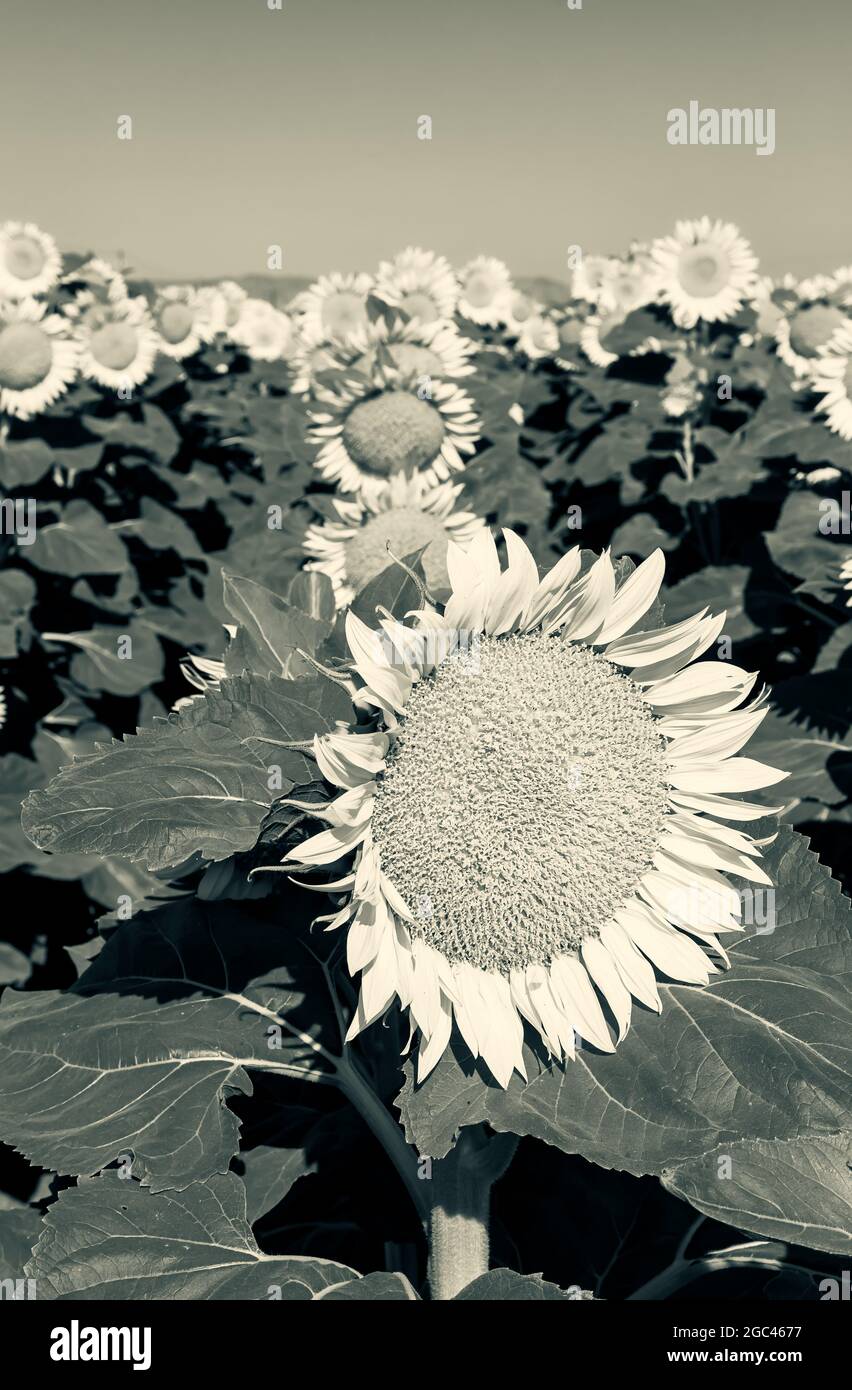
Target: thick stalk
pixel 461 1207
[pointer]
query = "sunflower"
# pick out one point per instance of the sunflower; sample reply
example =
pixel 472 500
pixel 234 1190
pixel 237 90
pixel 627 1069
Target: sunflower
pixel 417 349
pixel 389 422
pixel 419 282
pixel 534 806
pixel 182 320
pixel 591 276
pixel 263 331
pixel 629 285
pixel 846 578
pixel 38 358
pixel 30 262
pixel 538 337
pixel 770 300
pixel 310 356
pixel 117 342
pixel 593 334
pixel 99 279
pixel 705 271
pixel 395 518
pixel 484 288
pixel 808 331
pixel 832 379
pixel 334 308
pixel 518 309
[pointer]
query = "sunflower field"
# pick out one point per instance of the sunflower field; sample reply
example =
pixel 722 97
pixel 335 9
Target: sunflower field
pixel 426 779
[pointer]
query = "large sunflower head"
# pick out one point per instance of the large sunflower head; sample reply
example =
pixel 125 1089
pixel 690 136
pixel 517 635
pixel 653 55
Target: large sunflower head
pixel 485 287
pixel 392 519
pixel 116 340
pixel 809 330
pixel 420 283
pixel 538 337
pixel 183 321
pixel 389 421
pixel 30 262
pixel 706 271
pixel 533 800
pixel 334 308
pixel 263 331
pixel 38 358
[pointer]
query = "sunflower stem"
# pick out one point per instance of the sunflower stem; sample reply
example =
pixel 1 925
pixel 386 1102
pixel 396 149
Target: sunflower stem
pixel 459 1243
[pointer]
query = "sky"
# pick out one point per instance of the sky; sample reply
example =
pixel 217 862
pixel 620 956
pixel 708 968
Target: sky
pixel 255 127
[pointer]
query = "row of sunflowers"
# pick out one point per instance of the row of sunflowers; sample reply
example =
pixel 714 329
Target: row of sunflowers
pixel 61 320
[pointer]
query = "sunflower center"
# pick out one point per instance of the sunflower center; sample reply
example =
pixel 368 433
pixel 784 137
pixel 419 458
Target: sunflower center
pixel 24 258
pixel 479 289
pixel 812 328
pixel 847 378
pixel 115 345
pixel 393 432
pixel 521 307
pixel 421 307
pixel 704 270
pixel 26 356
pixel 405 529
pixel 522 801
pixel 175 322
pixel 343 313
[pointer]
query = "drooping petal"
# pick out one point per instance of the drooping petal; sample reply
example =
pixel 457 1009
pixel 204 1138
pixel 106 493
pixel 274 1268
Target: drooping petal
pixel 581 1002
pixel 632 966
pixel 369 651
pixel 601 968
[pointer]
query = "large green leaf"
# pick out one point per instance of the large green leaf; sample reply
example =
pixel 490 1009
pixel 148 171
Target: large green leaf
pixel 104 658
pixel 199 783
pixel 798 1190
pixel 81 542
pixel 157 798
pixel 139 1056
pixel 112 1239
pixel 799 547
pixel 271 630
pixel 762 1052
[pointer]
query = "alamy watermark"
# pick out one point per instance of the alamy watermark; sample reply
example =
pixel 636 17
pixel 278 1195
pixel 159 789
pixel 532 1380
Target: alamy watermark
pixel 723 125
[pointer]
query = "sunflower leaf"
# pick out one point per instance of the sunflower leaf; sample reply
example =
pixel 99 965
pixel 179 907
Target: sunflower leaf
pixel 113 1239
pixel 797 1190
pixel 199 783
pixel 136 1060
